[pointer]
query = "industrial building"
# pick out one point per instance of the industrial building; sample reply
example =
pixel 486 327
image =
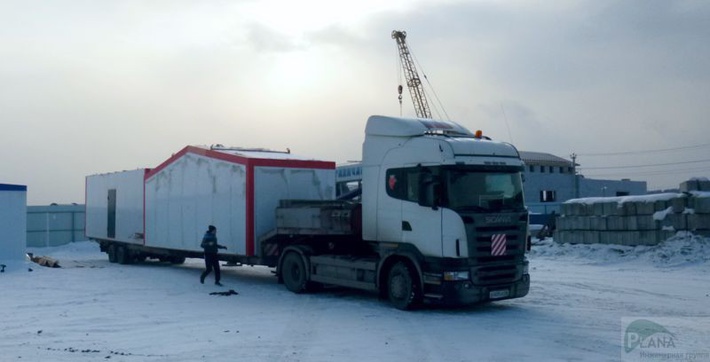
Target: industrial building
pixel 551 180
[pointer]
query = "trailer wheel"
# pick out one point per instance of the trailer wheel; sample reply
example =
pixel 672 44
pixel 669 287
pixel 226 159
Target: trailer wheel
pixel 293 272
pixel 123 256
pixel 402 289
pixel 177 260
pixel 111 251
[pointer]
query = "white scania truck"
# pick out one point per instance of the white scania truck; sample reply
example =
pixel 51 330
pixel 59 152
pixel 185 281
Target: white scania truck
pixel 439 218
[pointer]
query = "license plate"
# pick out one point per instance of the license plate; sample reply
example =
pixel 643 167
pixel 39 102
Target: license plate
pixel 497 294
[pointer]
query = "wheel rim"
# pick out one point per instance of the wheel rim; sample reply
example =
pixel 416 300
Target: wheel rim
pixel 399 288
pixel 294 273
pixel 402 290
pixel 121 255
pixel 112 253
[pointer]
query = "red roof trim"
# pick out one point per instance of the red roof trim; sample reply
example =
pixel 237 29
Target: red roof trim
pixel 257 162
pixel 249 220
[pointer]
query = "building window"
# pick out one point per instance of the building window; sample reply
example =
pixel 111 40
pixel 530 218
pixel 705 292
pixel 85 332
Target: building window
pixel 569 169
pixel 542 169
pixel 548 196
pixel 562 170
pixel 622 193
pixel 532 168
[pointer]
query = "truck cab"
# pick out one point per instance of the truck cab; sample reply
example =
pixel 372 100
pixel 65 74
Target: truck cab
pixel 448 205
pixel 439 218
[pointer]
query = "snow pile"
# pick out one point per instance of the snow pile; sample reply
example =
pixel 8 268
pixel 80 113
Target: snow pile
pixel 623 199
pixel 682 249
pixel 68 255
pixel 700 193
pixel 661 215
pixel 69 252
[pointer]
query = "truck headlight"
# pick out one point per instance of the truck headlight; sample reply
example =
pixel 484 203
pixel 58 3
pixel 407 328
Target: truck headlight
pixel 457 275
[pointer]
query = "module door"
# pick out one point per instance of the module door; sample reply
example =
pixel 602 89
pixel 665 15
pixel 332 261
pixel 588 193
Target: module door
pixel 111 214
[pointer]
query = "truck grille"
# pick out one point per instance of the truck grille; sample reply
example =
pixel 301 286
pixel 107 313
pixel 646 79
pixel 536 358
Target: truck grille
pixel 491 266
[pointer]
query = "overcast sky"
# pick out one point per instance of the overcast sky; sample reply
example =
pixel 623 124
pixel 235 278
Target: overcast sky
pixel 91 87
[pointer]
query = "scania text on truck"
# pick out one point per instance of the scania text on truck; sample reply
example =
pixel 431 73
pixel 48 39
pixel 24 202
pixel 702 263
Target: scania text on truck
pixel 439 217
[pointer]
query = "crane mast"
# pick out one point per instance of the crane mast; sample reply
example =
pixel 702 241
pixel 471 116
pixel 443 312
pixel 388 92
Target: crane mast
pixel 414 83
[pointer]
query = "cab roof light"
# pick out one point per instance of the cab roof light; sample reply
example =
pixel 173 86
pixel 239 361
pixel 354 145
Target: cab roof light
pixel 479 135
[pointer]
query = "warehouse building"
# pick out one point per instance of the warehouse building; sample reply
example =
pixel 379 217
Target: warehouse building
pixel 551 180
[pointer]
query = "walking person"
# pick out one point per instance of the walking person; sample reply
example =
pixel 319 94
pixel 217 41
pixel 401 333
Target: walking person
pixel 209 243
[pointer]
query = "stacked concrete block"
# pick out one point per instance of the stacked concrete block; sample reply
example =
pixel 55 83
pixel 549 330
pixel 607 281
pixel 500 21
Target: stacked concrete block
pixel 699 222
pixel 637 220
pixel 695 185
pixel 598 223
pixel 660 205
pixel 578 237
pixel 701 205
pixel 645 208
pixel 612 208
pixel 675 222
pixel 679 204
pixel 629 208
pixel 631 238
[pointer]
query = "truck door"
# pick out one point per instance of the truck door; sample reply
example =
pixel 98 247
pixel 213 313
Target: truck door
pixel 421 213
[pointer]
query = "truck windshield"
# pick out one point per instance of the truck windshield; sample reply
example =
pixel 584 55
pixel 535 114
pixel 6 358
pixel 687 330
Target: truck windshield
pixel 475 190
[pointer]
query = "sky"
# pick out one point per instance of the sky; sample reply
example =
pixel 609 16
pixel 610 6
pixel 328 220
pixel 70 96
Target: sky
pixel 90 87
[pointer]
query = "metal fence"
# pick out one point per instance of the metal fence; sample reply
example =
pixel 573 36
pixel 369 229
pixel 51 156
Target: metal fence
pixel 55 225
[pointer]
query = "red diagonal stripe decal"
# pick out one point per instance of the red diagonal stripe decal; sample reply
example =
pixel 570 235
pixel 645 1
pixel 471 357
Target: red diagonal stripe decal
pixel 498 244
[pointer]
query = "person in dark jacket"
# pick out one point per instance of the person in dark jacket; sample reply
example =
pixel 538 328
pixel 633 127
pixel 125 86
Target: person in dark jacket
pixel 209 243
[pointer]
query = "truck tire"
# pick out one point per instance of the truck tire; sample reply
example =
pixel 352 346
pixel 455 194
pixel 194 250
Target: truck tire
pixel 402 288
pixel 111 251
pixel 293 272
pixel 177 260
pixel 123 255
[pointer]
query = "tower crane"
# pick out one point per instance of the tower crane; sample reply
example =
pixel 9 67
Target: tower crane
pixel 414 83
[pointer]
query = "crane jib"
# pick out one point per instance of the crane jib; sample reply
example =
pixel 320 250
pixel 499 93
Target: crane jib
pixel 414 83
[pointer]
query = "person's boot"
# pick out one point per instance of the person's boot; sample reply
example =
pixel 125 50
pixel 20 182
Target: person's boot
pixel 218 284
pixel 202 278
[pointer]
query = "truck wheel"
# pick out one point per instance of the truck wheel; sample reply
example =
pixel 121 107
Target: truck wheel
pixel 123 256
pixel 177 260
pixel 111 253
pixel 402 288
pixel 293 272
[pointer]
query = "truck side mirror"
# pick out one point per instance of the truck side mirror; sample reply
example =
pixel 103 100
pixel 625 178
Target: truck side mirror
pixel 428 190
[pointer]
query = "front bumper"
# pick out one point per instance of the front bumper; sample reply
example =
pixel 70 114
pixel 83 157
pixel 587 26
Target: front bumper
pixel 457 293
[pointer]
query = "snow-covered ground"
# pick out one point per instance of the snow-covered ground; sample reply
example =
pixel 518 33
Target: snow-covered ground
pixel 581 296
